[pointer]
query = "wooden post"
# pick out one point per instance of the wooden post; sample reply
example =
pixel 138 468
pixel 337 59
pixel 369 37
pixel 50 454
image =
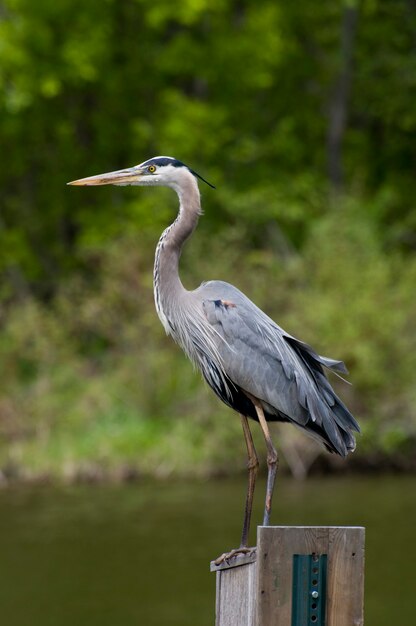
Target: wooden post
pixel 299 576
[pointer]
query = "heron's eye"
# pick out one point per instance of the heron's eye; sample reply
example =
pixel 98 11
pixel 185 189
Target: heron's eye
pixel 151 169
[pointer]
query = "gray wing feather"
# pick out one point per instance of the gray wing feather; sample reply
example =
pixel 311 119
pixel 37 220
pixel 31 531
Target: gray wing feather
pixel 284 373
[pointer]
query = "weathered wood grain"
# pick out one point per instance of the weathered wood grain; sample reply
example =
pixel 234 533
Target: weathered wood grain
pixel 236 597
pixel 346 577
pixel 344 547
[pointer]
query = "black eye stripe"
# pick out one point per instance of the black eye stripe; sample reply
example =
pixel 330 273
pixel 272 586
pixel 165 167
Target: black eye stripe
pixel 162 161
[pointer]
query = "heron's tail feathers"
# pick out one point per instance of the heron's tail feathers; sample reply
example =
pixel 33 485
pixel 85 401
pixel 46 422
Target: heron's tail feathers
pixel 329 419
pixel 338 429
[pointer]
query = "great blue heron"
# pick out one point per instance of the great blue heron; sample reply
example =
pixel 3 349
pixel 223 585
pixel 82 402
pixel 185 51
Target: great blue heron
pixel 252 364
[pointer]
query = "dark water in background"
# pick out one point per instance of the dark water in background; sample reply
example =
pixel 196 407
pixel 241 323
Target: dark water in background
pixel 139 554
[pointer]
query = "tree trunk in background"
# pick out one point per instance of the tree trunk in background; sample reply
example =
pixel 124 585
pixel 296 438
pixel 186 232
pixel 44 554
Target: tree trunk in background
pixel 338 103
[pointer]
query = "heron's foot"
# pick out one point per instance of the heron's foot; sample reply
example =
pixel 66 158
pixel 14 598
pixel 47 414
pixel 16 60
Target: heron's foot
pixel 227 556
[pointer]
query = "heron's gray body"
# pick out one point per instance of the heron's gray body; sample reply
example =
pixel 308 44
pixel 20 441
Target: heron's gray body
pixel 248 354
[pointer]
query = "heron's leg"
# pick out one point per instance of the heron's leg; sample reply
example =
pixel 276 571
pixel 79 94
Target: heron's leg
pixel 253 466
pixel 272 461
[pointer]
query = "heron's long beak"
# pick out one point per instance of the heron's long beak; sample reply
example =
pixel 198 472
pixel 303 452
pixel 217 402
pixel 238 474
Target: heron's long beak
pixel 120 177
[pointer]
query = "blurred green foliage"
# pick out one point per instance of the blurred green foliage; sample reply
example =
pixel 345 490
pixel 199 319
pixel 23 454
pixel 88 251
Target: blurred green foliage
pixel 304 118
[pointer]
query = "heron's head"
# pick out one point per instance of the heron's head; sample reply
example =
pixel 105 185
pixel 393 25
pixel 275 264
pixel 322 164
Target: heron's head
pixel 160 171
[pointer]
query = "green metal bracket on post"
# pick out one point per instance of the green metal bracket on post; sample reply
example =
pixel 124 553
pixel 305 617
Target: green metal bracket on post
pixel 309 589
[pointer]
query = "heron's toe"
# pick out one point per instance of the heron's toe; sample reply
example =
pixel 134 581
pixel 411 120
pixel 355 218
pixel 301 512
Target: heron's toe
pixel 227 557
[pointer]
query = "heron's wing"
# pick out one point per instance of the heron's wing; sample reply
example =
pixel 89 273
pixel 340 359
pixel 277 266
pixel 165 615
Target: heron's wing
pixel 285 374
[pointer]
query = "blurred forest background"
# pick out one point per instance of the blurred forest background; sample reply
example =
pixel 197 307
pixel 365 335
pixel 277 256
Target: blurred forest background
pixel 303 115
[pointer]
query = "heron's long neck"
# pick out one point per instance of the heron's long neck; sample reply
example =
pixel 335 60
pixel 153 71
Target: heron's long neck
pixel 167 284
